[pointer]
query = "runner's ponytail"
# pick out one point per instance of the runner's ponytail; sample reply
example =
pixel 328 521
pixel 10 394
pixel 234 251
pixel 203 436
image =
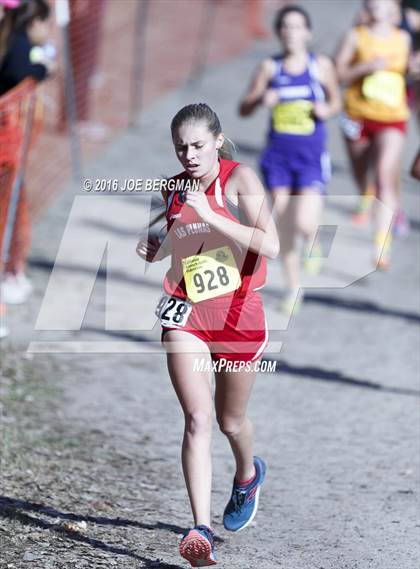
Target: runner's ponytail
pixel 227 149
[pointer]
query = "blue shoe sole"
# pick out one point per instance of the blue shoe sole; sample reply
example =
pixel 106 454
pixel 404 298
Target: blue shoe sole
pixel 256 501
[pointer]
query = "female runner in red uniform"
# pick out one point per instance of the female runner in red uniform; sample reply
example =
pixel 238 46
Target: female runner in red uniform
pixel 219 237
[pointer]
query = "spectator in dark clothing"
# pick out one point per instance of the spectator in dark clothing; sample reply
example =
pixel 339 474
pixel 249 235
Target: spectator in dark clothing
pixel 7 16
pixel 25 56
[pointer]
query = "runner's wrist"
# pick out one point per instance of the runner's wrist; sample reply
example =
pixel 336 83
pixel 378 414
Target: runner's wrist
pixel 211 217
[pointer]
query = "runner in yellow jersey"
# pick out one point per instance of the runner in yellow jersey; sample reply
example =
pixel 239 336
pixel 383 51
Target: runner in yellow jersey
pixel 372 62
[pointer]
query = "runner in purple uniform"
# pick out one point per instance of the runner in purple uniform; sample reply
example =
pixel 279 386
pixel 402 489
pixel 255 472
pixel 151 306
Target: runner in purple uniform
pixel 302 92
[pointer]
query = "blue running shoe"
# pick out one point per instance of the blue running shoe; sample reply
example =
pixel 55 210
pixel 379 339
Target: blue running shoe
pixel 197 547
pixel 243 504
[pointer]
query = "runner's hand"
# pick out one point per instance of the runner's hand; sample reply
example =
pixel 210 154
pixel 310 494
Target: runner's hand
pixel 414 66
pixel 321 111
pixel 377 64
pixel 199 202
pixel 51 66
pixel 147 248
pixel 270 98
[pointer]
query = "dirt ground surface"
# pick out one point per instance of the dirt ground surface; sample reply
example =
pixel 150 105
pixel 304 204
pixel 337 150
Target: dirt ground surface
pixel 91 427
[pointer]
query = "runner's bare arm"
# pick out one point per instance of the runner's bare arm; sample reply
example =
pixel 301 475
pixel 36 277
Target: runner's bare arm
pixel 150 247
pixel 413 18
pixel 408 40
pixel 257 88
pixel 328 79
pixel 347 71
pixel 415 168
pixel 163 242
pixel 260 236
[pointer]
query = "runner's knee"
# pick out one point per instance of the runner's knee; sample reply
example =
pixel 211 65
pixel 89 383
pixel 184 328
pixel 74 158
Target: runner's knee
pixel 306 226
pixel 198 422
pixel 231 426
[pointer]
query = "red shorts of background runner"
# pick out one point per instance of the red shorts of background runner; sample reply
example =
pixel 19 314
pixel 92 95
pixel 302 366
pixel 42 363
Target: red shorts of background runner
pixel 370 128
pixel 233 329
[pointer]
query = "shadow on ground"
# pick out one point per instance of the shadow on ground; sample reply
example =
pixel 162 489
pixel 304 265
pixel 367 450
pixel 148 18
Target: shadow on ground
pixel 362 306
pixel 317 373
pixel 11 508
pixel 365 306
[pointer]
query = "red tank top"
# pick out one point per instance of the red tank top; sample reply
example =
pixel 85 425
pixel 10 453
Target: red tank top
pixel 189 235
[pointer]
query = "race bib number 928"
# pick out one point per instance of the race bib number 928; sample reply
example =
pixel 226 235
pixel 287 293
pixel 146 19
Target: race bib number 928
pixel 210 274
pixel 173 312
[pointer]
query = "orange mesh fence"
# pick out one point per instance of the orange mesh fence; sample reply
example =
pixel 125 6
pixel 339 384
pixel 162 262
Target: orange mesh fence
pixel 20 121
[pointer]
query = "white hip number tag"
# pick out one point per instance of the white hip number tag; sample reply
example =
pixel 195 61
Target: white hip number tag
pixel 173 312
